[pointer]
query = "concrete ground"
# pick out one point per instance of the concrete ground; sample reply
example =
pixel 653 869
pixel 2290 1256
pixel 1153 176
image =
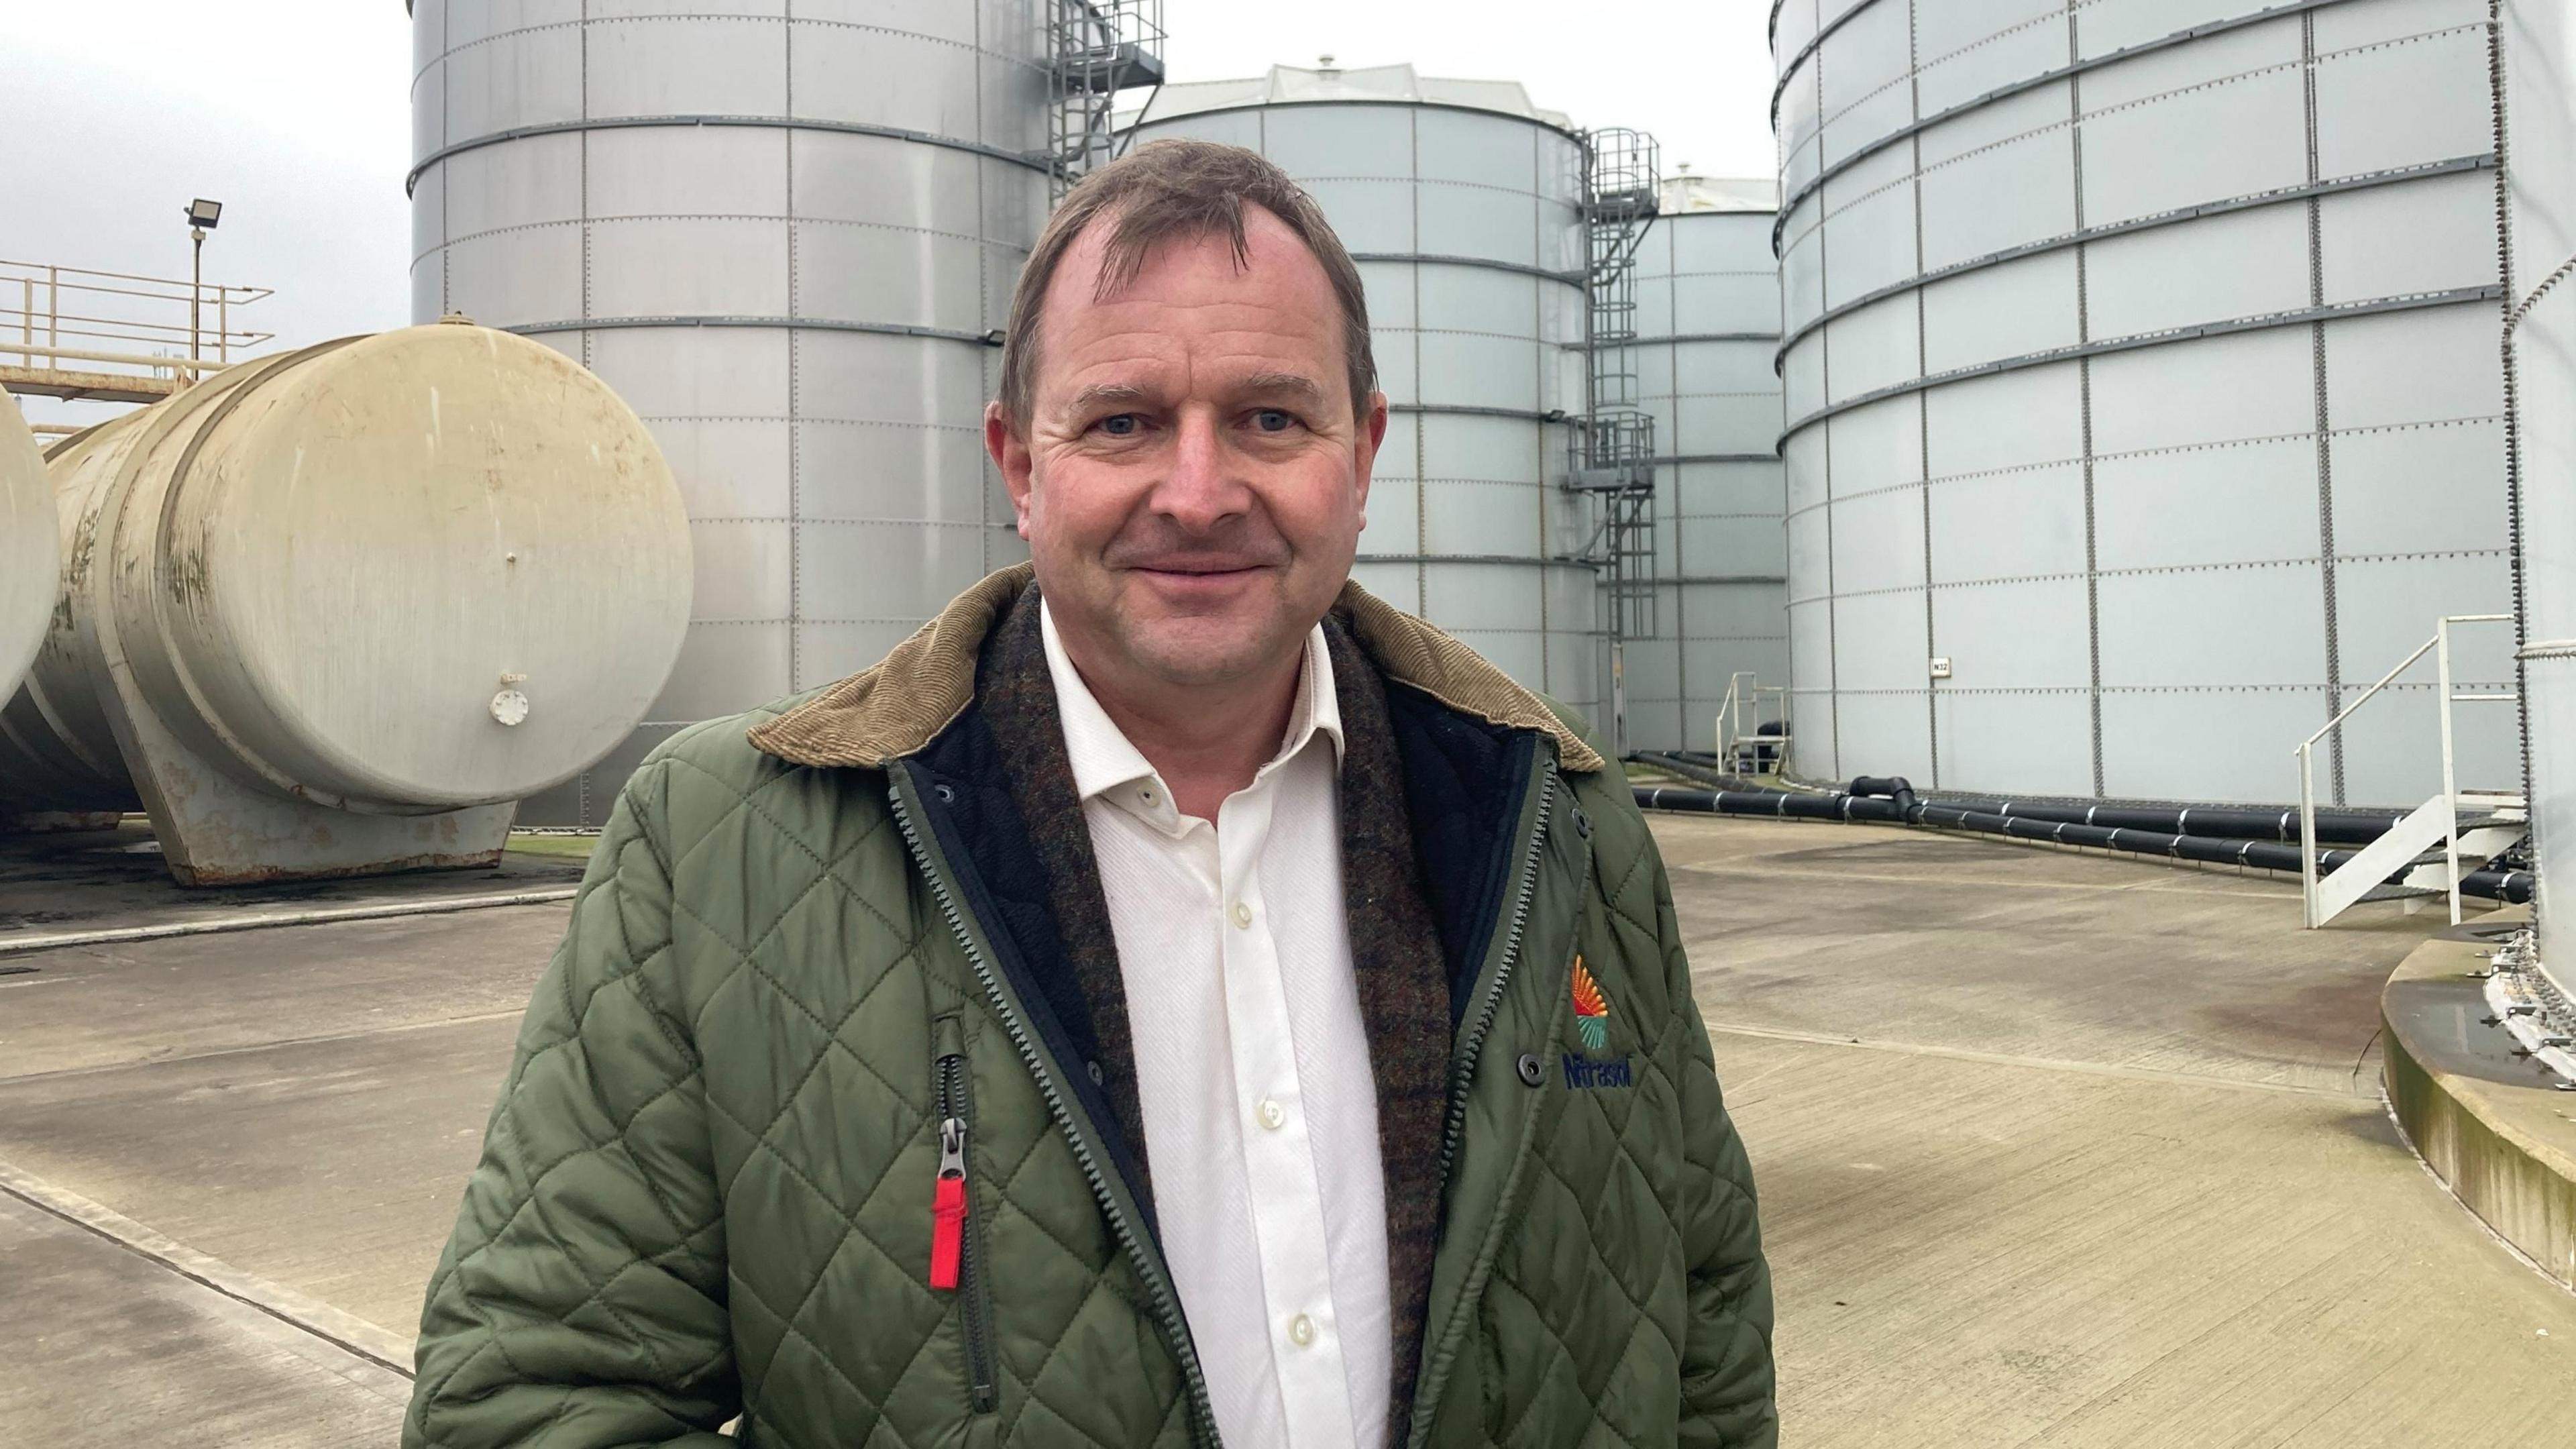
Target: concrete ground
pixel 2053 1150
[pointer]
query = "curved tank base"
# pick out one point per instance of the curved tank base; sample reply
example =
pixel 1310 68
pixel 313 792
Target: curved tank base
pixel 217 831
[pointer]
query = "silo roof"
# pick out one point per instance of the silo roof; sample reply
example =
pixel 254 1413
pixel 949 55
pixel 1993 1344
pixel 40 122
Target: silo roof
pixel 1685 194
pixel 1376 84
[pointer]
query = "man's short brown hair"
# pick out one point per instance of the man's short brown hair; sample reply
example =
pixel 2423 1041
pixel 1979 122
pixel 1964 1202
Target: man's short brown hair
pixel 1171 190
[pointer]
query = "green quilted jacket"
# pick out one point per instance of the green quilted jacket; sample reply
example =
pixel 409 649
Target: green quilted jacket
pixel 704 1205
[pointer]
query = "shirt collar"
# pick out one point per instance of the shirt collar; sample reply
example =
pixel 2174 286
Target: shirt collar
pixel 1102 756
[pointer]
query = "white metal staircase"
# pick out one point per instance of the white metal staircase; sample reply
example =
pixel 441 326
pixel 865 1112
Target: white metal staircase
pixel 1742 746
pixel 2432 826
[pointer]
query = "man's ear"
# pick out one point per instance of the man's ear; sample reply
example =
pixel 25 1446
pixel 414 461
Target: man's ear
pixel 1010 452
pixel 1372 435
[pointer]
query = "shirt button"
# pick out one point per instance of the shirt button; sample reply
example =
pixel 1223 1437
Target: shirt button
pixel 1273 1116
pixel 1242 916
pixel 1145 794
pixel 1301 1330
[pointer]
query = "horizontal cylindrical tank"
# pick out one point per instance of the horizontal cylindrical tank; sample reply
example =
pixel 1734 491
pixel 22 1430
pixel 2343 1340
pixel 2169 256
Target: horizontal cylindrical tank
pixel 788 234
pixel 395 575
pixel 28 561
pixel 1708 322
pixel 1460 202
pixel 2143 398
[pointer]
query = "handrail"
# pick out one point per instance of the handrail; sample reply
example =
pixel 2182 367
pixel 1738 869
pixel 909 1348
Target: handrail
pixel 2440 646
pixel 2364 697
pixel 1729 725
pixel 74 354
pixel 241 291
pixel 2450 776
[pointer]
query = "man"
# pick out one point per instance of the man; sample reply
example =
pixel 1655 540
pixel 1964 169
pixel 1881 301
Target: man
pixel 1172 999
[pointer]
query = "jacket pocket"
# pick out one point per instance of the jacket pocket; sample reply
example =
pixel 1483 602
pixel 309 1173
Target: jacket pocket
pixel 957 1256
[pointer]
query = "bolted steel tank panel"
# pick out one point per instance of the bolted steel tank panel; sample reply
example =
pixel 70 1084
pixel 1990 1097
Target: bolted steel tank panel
pixel 2140 363
pixel 397 574
pixel 2536 43
pixel 784 237
pixel 29 559
pixel 1460 203
pixel 1708 301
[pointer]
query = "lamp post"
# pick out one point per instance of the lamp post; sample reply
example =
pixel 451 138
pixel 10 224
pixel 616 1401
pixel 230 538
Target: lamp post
pixel 202 216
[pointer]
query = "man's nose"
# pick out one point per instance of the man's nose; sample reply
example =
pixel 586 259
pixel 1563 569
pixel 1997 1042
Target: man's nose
pixel 1204 486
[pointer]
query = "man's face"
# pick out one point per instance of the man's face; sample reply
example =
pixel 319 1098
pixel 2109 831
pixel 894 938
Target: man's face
pixel 1191 475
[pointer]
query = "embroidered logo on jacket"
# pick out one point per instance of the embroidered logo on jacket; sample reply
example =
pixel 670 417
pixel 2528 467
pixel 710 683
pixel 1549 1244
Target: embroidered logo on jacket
pixel 1585 1074
pixel 1591 1013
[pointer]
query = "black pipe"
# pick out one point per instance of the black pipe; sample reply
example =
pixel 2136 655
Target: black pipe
pixel 2229 822
pixel 2503 885
pixel 2334 827
pixel 1893 787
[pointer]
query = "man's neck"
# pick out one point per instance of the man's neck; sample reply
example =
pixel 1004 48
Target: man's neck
pixel 1207 742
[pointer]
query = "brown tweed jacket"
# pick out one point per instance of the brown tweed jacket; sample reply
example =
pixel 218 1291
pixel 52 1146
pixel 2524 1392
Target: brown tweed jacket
pixel 1395 949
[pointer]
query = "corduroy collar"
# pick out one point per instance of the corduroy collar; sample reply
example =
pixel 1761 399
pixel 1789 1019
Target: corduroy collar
pixel 896 706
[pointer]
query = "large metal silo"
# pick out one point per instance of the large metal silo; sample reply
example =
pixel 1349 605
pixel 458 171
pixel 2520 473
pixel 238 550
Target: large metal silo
pixel 2536 92
pixel 1461 203
pixel 785 234
pixel 1708 322
pixel 2141 369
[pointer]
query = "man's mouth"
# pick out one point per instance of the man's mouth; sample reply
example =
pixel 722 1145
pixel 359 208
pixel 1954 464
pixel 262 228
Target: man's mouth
pixel 1198 568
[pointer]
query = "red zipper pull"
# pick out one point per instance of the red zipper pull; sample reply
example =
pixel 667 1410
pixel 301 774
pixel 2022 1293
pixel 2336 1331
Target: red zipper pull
pixel 948 1206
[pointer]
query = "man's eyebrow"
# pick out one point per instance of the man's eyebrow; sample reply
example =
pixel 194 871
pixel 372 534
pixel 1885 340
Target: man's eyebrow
pixel 1101 392
pixel 1285 382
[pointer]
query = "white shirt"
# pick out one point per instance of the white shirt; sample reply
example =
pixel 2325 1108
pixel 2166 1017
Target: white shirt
pixel 1252 1066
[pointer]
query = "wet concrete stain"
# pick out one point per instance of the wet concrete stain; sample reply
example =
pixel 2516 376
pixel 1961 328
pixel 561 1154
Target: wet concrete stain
pixel 2449 1027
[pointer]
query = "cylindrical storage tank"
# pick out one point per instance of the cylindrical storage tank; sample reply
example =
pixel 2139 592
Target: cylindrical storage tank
pixel 1708 322
pixel 392 575
pixel 2140 364
pixel 2537 42
pixel 788 235
pixel 1460 202
pixel 29 562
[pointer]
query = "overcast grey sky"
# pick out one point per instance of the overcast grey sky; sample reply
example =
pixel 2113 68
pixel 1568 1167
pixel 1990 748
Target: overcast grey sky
pixel 296 114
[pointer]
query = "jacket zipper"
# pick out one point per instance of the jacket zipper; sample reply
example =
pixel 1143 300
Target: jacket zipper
pixel 1482 1021
pixel 1166 1303
pixel 957 1245
pixel 1488 1002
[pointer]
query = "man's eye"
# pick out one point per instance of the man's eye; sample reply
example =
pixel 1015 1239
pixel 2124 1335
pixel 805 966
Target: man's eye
pixel 1272 420
pixel 1120 425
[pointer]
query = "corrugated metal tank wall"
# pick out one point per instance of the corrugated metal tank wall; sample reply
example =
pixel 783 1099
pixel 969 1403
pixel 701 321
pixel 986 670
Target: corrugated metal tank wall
pixel 2538 43
pixel 782 239
pixel 2141 361
pixel 1708 303
pixel 1464 224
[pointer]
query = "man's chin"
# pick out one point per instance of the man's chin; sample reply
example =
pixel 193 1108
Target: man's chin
pixel 1201 649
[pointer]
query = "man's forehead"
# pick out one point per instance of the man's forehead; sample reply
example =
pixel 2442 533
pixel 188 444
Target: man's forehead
pixel 1271 257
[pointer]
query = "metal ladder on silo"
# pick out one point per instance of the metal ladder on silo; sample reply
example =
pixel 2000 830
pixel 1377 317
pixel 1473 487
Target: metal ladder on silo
pixel 1094 50
pixel 1614 442
pixel 2436 822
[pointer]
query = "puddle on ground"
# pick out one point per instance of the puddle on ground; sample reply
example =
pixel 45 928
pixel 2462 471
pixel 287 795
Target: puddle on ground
pixel 2445 1021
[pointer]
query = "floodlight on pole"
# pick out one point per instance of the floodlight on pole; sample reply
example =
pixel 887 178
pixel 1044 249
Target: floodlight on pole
pixel 202 216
